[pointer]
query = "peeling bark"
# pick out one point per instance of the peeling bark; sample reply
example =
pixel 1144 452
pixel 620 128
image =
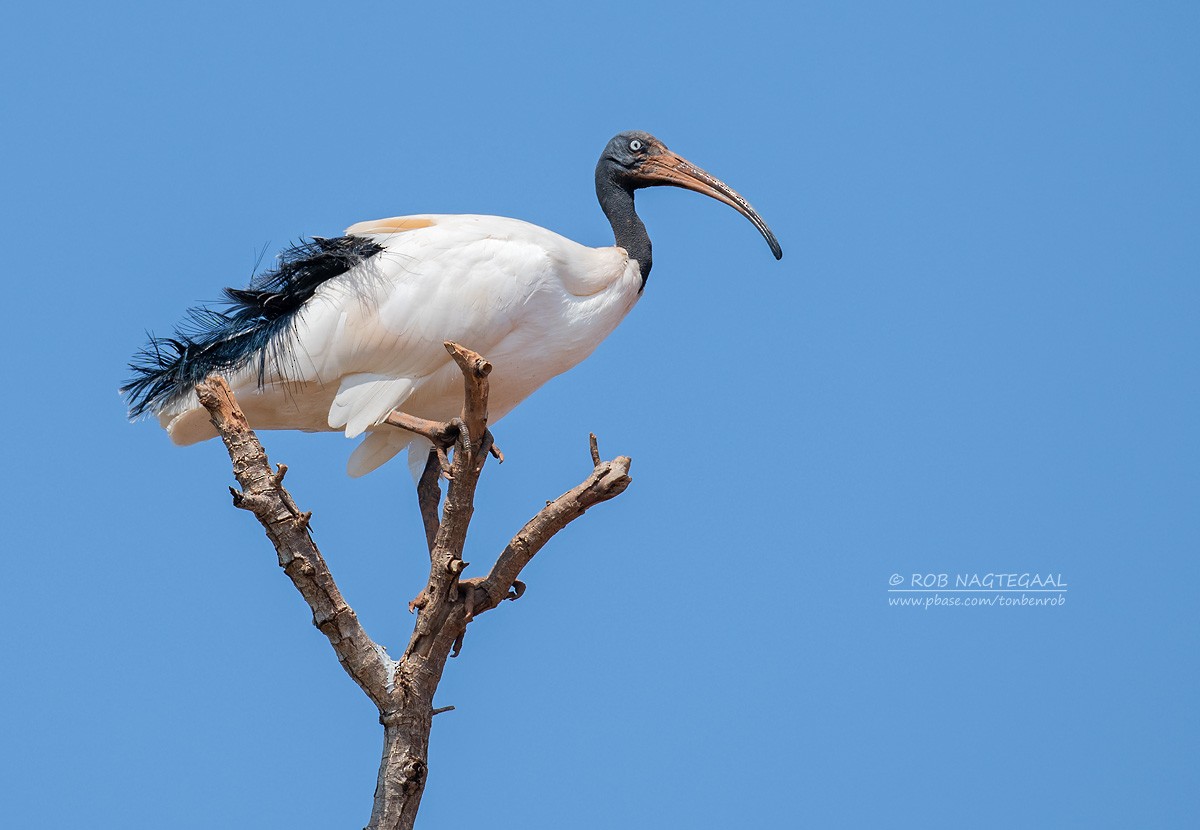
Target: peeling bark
pixel 403 690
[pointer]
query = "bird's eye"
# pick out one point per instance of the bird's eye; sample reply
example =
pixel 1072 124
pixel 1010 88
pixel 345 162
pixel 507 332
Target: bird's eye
pixel 635 145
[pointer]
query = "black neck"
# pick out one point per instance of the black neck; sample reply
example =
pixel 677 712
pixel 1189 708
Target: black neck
pixel 616 200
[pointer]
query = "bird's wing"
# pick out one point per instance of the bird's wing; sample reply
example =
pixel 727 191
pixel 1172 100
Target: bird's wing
pixel 377 332
pixel 395 224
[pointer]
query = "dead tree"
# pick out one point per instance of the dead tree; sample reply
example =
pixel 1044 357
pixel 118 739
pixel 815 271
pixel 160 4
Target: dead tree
pixel 403 689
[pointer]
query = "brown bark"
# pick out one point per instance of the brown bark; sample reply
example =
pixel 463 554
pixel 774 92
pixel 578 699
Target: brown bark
pixel 403 689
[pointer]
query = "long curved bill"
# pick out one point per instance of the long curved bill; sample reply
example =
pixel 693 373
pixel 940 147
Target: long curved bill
pixel 667 168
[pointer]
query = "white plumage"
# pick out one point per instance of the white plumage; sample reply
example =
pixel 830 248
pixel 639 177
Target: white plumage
pixel 370 340
pixel 346 330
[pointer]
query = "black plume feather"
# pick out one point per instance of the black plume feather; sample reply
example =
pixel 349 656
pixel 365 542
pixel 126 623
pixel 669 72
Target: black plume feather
pixel 227 339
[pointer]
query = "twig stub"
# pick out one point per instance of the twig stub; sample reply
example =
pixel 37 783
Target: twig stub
pixel 403 689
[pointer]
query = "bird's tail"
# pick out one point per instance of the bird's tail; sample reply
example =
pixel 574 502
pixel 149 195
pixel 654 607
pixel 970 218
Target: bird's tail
pixel 247 332
pixel 381 445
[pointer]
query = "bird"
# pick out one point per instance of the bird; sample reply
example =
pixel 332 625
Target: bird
pixel 342 331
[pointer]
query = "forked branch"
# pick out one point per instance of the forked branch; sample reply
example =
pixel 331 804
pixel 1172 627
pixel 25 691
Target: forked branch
pixel 403 689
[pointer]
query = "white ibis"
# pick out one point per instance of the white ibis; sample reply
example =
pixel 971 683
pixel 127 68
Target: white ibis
pixel 345 330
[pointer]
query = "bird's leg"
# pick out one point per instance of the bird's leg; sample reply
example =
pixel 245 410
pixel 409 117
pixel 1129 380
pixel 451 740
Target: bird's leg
pixel 488 447
pixel 444 465
pixel 442 434
pixel 429 495
pixel 433 430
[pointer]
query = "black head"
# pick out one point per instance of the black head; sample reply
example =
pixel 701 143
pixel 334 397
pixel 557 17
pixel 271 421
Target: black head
pixel 626 153
pixel 635 159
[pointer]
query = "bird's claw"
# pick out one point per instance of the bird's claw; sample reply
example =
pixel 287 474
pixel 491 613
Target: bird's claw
pixel 493 449
pixel 444 461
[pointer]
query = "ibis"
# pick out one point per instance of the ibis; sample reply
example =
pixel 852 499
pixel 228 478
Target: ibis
pixel 342 331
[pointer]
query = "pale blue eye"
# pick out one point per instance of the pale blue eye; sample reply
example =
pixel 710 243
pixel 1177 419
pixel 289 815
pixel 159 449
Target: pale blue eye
pixel 635 145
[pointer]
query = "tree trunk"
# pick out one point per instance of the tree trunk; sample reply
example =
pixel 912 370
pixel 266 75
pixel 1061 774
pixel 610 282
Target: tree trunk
pixel 403 690
pixel 402 770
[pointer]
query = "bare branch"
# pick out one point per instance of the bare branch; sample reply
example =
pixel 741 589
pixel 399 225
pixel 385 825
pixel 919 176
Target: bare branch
pixel 403 690
pixel 608 479
pixel 263 494
pixel 475 371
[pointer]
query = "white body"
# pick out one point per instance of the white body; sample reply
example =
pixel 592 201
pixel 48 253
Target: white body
pixel 369 341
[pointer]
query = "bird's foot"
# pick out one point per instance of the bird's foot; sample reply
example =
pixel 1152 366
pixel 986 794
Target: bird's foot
pixel 444 462
pixel 492 448
pixel 454 436
pixel 444 435
pixel 488 447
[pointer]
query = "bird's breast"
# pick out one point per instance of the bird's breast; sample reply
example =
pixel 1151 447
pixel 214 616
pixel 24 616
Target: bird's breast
pixel 533 302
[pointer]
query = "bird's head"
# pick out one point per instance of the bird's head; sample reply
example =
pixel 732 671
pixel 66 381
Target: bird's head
pixel 635 159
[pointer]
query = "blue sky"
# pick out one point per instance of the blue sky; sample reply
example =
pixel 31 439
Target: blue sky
pixel 978 355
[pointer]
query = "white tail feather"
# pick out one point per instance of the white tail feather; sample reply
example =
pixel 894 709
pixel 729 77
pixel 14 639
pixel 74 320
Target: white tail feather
pixel 364 400
pixel 379 447
pixel 418 455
